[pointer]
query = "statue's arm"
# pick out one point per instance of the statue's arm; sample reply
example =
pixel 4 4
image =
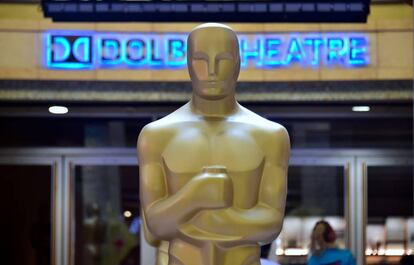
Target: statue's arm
pixel 263 222
pixel 165 212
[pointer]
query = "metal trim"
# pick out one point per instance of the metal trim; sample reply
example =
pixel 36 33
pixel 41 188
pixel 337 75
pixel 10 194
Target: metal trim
pixel 327 160
pixel 364 210
pixel 71 236
pixel 45 152
pixel 54 162
pixel 365 162
pixel 54 224
pixel 348 205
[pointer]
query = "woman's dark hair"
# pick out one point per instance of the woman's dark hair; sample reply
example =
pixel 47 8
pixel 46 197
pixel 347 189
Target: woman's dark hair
pixel 322 239
pixel 329 234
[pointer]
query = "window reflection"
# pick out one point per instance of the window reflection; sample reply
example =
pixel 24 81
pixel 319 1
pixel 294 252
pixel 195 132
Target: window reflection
pixel 25 203
pixel 314 193
pixel 107 217
pixel 122 132
pixel 390 222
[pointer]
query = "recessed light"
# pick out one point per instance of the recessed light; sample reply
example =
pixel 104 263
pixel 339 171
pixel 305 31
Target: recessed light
pixel 127 214
pixel 58 109
pixel 361 108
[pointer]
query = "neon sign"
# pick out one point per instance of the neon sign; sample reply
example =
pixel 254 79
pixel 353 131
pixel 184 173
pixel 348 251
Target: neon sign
pixel 93 50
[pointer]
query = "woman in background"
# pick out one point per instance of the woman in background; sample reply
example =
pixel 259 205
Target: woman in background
pixel 324 250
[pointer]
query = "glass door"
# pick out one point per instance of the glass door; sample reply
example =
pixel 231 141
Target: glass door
pixel 103 206
pixel 318 189
pixel 30 199
pixel 387 209
pixel 81 206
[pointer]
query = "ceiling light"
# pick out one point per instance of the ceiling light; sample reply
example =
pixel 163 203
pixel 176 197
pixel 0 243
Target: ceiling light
pixel 58 109
pixel 361 108
pixel 127 214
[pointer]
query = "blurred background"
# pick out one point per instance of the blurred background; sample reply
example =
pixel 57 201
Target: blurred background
pixel 75 93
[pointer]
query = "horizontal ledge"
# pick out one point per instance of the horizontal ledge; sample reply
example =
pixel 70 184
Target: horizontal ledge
pixel 132 96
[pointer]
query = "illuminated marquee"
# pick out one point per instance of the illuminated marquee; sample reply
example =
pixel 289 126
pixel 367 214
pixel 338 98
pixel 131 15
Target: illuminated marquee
pixel 92 50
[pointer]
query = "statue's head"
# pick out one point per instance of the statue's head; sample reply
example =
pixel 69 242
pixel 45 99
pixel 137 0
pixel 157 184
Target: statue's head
pixel 213 60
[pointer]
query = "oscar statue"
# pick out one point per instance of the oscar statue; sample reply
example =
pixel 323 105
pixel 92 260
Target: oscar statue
pixel 213 173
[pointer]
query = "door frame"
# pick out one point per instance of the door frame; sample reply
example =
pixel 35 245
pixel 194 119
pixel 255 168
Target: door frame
pixel 315 158
pixel 362 164
pixel 122 158
pixel 20 157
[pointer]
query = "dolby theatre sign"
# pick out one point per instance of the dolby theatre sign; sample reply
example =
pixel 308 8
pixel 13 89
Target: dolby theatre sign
pixel 97 50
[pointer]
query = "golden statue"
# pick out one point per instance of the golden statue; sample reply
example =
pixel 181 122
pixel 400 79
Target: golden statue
pixel 212 173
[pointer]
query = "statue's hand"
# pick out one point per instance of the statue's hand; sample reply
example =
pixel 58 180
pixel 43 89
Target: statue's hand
pixel 214 188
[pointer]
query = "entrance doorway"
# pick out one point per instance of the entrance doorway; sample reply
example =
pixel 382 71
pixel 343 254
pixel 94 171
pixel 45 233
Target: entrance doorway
pixel 93 203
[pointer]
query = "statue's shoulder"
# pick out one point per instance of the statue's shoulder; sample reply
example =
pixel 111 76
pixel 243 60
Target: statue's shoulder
pixel 152 139
pixel 162 128
pixel 272 136
pixel 154 131
pixel 262 124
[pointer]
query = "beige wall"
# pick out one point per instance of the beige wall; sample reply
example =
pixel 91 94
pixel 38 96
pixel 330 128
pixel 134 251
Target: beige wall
pixel 389 28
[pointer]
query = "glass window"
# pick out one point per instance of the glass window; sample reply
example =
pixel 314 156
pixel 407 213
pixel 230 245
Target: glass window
pixel 25 203
pixel 70 132
pixel 314 193
pixel 123 132
pixel 350 133
pixel 107 220
pixel 390 216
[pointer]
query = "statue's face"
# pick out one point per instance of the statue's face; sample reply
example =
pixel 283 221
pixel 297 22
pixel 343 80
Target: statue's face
pixel 213 62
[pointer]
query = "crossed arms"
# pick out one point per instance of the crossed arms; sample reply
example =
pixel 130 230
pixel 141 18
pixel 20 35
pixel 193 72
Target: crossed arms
pixel 202 209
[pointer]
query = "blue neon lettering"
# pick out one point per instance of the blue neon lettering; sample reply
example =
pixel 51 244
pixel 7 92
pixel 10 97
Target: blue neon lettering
pixel 135 54
pixel 253 53
pixel 176 52
pixel 49 50
pixel 74 50
pixel 156 57
pixel 111 52
pixel 61 49
pixel 272 53
pixel 315 44
pixel 357 51
pixel 295 52
pixel 81 49
pixel 336 51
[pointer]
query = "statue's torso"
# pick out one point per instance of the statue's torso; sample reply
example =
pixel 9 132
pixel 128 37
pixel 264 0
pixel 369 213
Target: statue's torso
pixel 237 144
pixel 193 146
